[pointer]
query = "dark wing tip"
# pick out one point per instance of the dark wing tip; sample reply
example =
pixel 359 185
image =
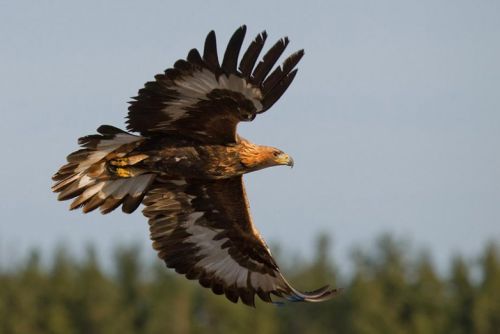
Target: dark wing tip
pixel 210 52
pixel 210 36
pixel 274 94
pixel 252 53
pixel 109 130
pixel 194 57
pixel 268 61
pixel 319 295
pixel 230 60
pixel 281 71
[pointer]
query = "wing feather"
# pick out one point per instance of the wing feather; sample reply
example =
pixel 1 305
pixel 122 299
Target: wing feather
pixel 250 57
pixel 282 71
pixel 278 90
pixel 269 60
pixel 210 52
pixel 194 58
pixel 233 48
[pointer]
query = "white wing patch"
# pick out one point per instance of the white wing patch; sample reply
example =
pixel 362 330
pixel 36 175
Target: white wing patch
pixel 217 261
pixel 199 84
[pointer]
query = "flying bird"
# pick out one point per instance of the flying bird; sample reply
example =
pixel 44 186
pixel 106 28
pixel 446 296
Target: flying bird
pixel 186 167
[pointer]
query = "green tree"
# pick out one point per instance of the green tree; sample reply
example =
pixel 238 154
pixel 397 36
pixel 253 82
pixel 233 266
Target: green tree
pixel 129 276
pixel 389 291
pixel 23 298
pixel 426 308
pixel 59 298
pixel 487 306
pixel 170 302
pixel 462 299
pixel 311 318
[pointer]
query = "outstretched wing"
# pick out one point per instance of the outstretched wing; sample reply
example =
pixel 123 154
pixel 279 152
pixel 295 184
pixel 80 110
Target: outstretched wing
pixel 204 100
pixel 203 229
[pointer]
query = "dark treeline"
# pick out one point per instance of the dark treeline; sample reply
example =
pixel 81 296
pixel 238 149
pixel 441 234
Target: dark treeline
pixel 389 291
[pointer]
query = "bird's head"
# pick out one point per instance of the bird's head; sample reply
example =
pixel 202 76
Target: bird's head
pixel 257 157
pixel 277 157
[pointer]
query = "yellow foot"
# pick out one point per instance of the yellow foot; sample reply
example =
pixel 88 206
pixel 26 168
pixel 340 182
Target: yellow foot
pixel 123 172
pixel 128 161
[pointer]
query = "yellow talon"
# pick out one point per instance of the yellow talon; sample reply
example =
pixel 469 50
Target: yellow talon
pixel 123 172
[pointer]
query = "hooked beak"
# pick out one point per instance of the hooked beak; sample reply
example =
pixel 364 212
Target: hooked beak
pixel 285 159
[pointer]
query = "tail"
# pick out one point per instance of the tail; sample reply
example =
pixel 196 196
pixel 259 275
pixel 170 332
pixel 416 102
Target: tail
pixel 93 174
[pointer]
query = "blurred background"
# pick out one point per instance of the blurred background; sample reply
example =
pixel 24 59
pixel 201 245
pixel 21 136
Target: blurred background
pixel 393 122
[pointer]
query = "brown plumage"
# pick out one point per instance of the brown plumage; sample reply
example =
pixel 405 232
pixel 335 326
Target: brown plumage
pixel 186 167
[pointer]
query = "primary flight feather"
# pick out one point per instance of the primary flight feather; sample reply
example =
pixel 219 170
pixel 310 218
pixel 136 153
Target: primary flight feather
pixel 186 167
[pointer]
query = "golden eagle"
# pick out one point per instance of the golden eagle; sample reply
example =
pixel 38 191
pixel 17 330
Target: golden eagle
pixel 186 167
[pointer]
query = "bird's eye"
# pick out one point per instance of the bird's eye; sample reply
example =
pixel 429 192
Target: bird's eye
pixel 275 153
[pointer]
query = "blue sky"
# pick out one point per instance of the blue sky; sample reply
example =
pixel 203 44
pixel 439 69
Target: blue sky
pixel 393 119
